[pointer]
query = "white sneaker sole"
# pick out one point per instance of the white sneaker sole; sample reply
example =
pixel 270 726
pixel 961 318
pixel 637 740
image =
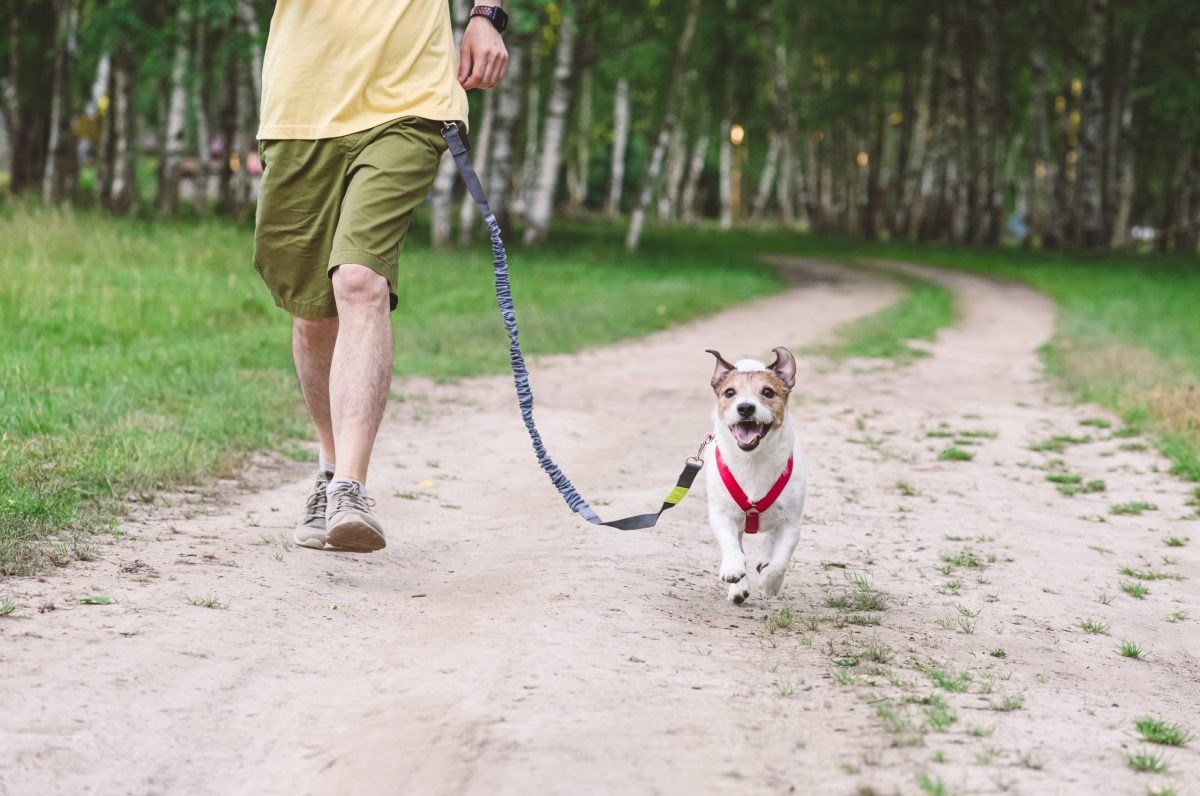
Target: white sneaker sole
pixel 355 535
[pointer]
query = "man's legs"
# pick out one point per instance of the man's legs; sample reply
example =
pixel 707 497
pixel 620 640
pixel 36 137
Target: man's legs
pixel 361 370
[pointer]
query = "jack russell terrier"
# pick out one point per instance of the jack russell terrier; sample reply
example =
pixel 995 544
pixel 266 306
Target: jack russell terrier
pixel 755 473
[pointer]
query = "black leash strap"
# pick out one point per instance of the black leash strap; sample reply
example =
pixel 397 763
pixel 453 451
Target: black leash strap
pixel 456 141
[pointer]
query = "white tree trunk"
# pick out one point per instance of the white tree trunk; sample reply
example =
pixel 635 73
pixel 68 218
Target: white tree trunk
pixel 670 119
pixel 172 145
pixel 508 115
pixel 467 213
pixel 767 179
pixel 123 196
pixel 578 177
pixel 668 198
pixel 541 201
pixel 620 141
pixel 243 136
pixel 1091 216
pixel 533 116
pixel 687 202
pixel 726 181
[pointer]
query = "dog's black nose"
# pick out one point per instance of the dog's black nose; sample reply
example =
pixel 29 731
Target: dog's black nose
pixel 746 410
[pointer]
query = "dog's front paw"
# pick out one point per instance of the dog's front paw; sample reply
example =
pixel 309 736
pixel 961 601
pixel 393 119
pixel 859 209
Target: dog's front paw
pixel 733 570
pixel 739 592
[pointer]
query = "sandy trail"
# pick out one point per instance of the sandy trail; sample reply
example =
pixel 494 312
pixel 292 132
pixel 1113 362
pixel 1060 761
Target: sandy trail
pixel 499 645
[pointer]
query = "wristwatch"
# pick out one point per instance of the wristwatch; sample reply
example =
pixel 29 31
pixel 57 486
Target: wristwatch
pixel 495 14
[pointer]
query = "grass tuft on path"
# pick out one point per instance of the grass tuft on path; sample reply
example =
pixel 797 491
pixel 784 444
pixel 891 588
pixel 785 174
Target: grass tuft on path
pixel 139 355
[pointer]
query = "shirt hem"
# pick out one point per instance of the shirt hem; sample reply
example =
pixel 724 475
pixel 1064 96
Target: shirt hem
pixel 278 132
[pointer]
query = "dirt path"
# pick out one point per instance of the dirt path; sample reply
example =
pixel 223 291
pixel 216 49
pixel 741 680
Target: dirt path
pixel 500 646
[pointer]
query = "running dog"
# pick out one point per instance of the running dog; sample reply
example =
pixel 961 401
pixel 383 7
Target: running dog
pixel 755 474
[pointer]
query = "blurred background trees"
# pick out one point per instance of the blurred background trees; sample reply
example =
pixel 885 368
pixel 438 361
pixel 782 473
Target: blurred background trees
pixel 1067 124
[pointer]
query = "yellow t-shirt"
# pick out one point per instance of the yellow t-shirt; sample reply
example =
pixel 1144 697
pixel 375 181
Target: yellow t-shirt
pixel 334 67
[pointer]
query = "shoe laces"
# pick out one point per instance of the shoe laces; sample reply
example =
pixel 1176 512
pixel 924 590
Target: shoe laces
pixel 350 497
pixel 315 507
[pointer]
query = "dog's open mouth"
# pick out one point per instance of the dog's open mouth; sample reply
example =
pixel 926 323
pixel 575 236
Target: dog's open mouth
pixel 748 433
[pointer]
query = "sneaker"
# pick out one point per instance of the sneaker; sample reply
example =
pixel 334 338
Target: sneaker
pixel 310 532
pixel 349 523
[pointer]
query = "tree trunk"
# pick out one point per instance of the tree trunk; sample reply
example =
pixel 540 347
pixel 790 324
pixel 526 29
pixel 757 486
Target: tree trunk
pixel 246 115
pixel 200 109
pixel 674 98
pixel 482 145
pixel 726 176
pixel 504 132
pixel 1043 222
pixel 248 18
pixel 61 175
pixel 688 208
pixel 443 182
pixel 123 196
pixel 767 179
pixel 970 43
pixel 668 197
pixel 1091 216
pixel 620 140
pixel 577 177
pixel 172 144
pixel 28 105
pixel 533 117
pixel 898 225
pixel 541 201
pixel 1123 155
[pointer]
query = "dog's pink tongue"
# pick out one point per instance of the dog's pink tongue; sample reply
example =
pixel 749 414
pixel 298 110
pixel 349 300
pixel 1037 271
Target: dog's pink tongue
pixel 745 433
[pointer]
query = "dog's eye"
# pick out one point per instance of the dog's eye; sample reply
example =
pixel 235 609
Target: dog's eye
pixel 768 392
pixel 730 392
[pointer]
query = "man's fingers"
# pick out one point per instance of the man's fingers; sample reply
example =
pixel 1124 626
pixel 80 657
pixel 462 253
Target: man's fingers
pixel 465 62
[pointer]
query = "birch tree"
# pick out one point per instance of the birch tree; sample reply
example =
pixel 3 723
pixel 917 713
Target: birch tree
pixel 541 201
pixel 58 181
pixel 674 97
pixel 620 140
pixel 173 141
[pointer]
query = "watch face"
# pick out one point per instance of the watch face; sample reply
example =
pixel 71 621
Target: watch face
pixel 496 14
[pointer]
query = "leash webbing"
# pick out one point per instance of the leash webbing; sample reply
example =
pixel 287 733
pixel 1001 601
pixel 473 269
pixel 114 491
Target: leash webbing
pixel 459 150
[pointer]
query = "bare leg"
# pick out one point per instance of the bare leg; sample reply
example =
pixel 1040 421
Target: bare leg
pixel 361 369
pixel 312 351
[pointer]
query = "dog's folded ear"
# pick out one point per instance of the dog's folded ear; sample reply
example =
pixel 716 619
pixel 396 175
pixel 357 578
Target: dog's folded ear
pixel 784 367
pixel 723 368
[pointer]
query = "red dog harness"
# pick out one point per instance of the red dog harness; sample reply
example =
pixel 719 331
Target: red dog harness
pixel 739 496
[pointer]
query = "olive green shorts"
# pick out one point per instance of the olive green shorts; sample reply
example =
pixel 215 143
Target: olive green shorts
pixel 334 201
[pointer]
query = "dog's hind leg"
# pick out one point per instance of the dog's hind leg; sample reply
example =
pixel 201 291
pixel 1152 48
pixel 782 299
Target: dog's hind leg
pixel 771 575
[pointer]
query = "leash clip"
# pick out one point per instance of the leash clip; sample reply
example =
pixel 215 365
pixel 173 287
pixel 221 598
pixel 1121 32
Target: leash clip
pixel 698 459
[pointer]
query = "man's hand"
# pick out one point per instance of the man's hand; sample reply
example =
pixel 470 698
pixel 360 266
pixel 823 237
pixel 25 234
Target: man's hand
pixel 483 59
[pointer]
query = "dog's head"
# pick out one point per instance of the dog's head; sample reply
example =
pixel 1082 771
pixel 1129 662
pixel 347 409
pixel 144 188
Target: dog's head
pixel 752 397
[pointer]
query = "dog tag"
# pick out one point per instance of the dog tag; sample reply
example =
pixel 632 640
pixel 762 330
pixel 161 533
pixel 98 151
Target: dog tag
pixel 751 522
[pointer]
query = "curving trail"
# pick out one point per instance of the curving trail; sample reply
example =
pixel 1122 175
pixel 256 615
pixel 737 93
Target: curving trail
pixel 499 645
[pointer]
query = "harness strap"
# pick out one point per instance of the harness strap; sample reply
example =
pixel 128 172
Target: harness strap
pixel 456 141
pixel 752 510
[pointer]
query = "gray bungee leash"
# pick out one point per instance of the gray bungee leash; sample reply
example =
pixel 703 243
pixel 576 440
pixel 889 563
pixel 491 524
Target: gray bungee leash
pixel 459 149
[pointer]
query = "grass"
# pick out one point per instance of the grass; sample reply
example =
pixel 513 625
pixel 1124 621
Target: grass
pixel 140 355
pixel 931 785
pixel 1010 703
pixel 1090 626
pixel 1147 762
pixel 1148 574
pixel 1160 732
pixel 1058 443
pixel 7 606
pixel 955 455
pixel 207 602
pixel 925 309
pixel 1137 591
pixel 1175 541
pixel 1129 649
pixel 1133 507
pixel 950 681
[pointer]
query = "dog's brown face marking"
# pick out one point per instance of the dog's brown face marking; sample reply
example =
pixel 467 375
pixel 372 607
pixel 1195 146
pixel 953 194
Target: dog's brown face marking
pixel 751 403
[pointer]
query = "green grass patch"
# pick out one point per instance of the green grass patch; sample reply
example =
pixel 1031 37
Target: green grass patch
pixel 1147 762
pixel 1133 507
pixel 137 355
pixel 925 309
pixel 1161 732
pixel 955 455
